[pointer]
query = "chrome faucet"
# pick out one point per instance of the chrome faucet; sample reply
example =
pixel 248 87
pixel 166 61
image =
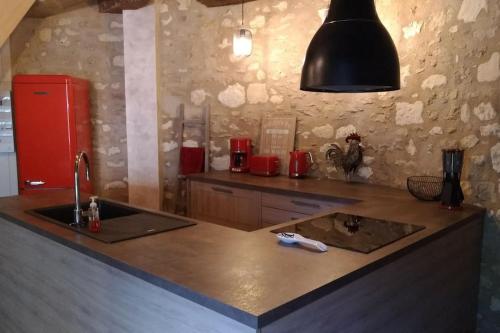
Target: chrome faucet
pixel 78 220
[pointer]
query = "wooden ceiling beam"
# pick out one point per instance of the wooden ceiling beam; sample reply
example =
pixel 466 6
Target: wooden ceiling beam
pixel 118 6
pixel 219 3
pixel 48 8
pixel 11 13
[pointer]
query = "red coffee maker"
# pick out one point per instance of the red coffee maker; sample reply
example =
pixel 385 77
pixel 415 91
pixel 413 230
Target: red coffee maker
pixel 241 152
pixel 300 163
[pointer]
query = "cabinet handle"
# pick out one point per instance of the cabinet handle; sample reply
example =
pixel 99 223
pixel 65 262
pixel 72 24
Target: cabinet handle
pixel 305 204
pixel 34 182
pixel 222 190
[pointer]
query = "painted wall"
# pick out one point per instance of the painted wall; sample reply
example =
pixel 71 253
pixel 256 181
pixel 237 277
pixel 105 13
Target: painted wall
pixel 450 64
pixel 86 44
pixel 141 97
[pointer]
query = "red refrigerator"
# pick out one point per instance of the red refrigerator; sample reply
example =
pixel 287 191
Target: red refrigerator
pixel 51 125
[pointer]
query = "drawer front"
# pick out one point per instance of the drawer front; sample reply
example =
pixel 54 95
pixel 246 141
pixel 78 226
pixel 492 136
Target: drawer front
pixel 221 189
pixel 296 204
pixel 272 216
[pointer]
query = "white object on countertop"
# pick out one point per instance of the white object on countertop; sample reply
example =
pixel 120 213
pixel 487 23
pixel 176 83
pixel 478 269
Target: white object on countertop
pixel 291 238
pixel 93 208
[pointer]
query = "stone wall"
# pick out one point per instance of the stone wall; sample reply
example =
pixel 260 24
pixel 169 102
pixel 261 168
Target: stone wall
pixel 87 44
pixel 450 64
pixel 449 52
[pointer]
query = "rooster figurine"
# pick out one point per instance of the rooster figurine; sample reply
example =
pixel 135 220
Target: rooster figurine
pixel 350 160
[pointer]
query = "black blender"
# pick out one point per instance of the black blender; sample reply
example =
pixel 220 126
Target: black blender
pixel 452 196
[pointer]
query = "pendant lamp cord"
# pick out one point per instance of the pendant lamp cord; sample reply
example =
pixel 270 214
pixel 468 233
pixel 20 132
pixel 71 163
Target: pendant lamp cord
pixel 242 13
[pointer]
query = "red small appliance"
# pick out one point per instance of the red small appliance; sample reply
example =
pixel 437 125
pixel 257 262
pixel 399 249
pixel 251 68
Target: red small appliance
pixel 265 165
pixel 300 163
pixel 241 153
pixel 192 160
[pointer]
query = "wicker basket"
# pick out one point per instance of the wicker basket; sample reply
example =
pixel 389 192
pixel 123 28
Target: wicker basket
pixel 427 188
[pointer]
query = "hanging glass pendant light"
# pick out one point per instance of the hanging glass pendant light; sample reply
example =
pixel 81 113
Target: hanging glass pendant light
pixel 242 38
pixel 351 52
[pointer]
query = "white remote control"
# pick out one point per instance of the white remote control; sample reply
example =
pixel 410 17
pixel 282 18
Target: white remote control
pixel 290 238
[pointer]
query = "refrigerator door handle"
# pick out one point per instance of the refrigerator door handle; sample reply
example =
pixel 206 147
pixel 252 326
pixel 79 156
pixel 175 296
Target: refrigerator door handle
pixel 34 182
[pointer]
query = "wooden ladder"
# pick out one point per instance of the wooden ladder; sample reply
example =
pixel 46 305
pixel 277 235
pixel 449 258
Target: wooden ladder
pixel 181 193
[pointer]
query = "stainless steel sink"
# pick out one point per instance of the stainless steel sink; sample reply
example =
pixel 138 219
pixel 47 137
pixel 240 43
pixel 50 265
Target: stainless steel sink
pixel 119 222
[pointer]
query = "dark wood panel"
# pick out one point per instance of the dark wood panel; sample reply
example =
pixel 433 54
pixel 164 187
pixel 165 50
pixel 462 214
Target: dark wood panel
pixel 219 3
pixel 118 6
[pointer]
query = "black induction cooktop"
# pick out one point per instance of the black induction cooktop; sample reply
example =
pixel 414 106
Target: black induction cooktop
pixel 351 232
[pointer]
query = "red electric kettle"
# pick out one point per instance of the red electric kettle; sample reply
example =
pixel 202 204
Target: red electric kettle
pixel 300 163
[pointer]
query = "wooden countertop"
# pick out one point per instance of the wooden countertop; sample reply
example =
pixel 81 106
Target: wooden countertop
pixel 249 276
pixel 313 188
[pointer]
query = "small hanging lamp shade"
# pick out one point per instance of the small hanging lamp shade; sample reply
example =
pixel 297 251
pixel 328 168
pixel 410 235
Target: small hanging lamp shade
pixel 351 52
pixel 242 43
pixel 242 38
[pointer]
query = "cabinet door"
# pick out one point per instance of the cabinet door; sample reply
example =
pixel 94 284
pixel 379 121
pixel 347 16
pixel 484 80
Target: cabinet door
pixel 228 206
pixel 8 174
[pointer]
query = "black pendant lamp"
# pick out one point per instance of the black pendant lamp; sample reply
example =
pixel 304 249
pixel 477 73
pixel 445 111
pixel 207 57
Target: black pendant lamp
pixel 351 52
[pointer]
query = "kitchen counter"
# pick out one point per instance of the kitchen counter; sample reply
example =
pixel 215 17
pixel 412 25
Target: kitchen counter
pixel 370 200
pixel 247 276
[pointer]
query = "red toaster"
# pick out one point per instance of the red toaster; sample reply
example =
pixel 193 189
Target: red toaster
pixel 265 165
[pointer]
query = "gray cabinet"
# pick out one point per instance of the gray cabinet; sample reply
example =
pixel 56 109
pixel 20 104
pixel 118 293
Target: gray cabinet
pixel 6 128
pixel 8 165
pixel 8 174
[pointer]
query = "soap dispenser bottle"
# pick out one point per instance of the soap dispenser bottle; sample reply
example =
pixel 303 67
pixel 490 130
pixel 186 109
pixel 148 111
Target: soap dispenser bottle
pixel 94 220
